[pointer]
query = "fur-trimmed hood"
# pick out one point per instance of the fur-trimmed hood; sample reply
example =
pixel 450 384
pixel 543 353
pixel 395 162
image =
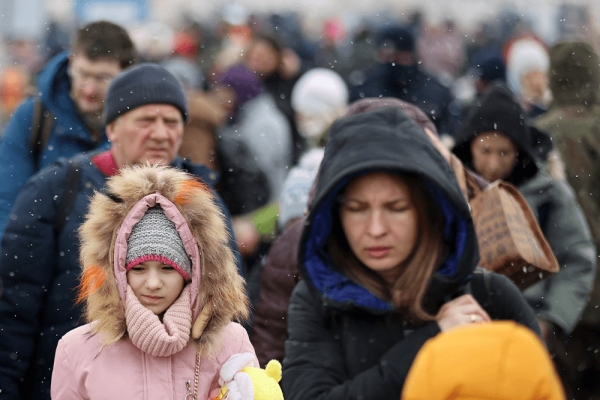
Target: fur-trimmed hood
pixel 217 293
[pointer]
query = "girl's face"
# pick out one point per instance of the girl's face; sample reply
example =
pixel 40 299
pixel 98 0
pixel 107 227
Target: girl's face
pixel 494 155
pixel 380 222
pixel 156 285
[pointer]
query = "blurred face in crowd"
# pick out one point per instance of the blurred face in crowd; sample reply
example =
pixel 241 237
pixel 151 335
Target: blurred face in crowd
pixel 150 133
pixel 263 59
pixel 90 80
pixel 379 220
pixel 494 155
pixel 224 96
pixel 534 86
pixel 156 285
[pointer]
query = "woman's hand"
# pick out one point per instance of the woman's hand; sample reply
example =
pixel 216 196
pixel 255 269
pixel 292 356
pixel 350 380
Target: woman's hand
pixel 463 310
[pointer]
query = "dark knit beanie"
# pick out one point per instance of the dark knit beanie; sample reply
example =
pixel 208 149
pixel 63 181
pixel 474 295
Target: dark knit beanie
pixel 499 111
pixel 244 83
pixel 492 69
pixel 155 238
pixel 399 37
pixel 143 84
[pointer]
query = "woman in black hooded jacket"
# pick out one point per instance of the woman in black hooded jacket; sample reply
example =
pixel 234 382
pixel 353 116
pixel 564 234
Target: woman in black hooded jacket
pixel 387 257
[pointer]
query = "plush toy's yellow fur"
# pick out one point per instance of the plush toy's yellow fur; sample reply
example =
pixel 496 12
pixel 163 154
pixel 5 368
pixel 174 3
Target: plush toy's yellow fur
pixel 266 381
pixel 220 283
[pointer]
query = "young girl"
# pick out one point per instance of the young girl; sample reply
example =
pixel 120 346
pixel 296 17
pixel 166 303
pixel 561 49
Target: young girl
pixel 161 290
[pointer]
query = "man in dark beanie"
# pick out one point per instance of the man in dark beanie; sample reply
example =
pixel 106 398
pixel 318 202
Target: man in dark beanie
pixel 144 113
pixel 573 120
pixel 496 142
pixel 398 75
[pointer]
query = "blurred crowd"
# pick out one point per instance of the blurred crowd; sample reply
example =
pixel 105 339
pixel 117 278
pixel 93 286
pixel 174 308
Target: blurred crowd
pixel 261 96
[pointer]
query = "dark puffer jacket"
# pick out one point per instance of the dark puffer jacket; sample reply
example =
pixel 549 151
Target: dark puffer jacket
pixel 344 342
pixel 40 270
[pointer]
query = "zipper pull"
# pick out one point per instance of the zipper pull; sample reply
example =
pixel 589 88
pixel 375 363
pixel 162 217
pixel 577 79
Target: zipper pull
pixel 189 395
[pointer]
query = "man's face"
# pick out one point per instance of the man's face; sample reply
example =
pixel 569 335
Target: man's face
pixel 90 80
pixel 150 133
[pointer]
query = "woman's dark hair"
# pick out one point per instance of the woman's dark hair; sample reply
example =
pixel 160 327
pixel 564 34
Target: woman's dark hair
pixel 408 291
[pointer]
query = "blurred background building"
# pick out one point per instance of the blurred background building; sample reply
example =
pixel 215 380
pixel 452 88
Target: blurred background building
pixel 338 33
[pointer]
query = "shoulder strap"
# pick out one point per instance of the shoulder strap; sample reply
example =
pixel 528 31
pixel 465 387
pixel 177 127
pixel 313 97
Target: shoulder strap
pixel 543 211
pixel 41 126
pixel 481 287
pixel 71 184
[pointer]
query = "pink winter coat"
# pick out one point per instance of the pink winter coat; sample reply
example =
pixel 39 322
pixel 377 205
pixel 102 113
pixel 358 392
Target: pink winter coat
pixel 82 368
pixel 125 351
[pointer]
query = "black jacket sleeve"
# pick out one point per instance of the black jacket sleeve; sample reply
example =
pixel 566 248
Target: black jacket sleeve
pixel 27 265
pixel 502 300
pixel 314 366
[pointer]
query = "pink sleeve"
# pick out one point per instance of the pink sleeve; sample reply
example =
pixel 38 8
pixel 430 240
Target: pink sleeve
pixel 63 385
pixel 246 346
pixel 237 342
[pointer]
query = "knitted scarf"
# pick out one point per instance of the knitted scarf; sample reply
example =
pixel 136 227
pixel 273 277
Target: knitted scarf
pixel 149 334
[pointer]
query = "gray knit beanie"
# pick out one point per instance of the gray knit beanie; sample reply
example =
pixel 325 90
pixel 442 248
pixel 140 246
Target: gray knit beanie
pixel 143 84
pixel 155 238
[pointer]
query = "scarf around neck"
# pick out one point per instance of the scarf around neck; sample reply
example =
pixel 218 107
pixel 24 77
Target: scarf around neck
pixel 149 334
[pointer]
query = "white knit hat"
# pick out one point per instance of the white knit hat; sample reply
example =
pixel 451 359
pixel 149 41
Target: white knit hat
pixel 524 56
pixel 319 97
pixel 319 91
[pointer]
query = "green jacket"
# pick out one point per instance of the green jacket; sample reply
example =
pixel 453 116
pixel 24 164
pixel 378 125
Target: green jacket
pixel 573 120
pixel 561 298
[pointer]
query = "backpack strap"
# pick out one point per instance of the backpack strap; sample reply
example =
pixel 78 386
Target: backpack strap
pixel 68 199
pixel 480 287
pixel 41 127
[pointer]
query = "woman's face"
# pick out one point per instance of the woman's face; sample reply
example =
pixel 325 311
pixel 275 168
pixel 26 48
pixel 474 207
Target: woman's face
pixel 380 222
pixel 263 59
pixel 494 155
pixel 156 285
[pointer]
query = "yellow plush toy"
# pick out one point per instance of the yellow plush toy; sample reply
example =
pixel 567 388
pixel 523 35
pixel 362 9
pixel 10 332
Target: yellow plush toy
pixel 241 380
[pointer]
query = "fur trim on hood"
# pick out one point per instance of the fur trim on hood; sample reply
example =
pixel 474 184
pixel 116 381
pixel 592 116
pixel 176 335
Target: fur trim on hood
pixel 191 206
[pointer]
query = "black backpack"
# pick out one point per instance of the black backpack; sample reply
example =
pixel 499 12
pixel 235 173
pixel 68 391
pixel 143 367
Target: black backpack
pixel 243 186
pixel 41 127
